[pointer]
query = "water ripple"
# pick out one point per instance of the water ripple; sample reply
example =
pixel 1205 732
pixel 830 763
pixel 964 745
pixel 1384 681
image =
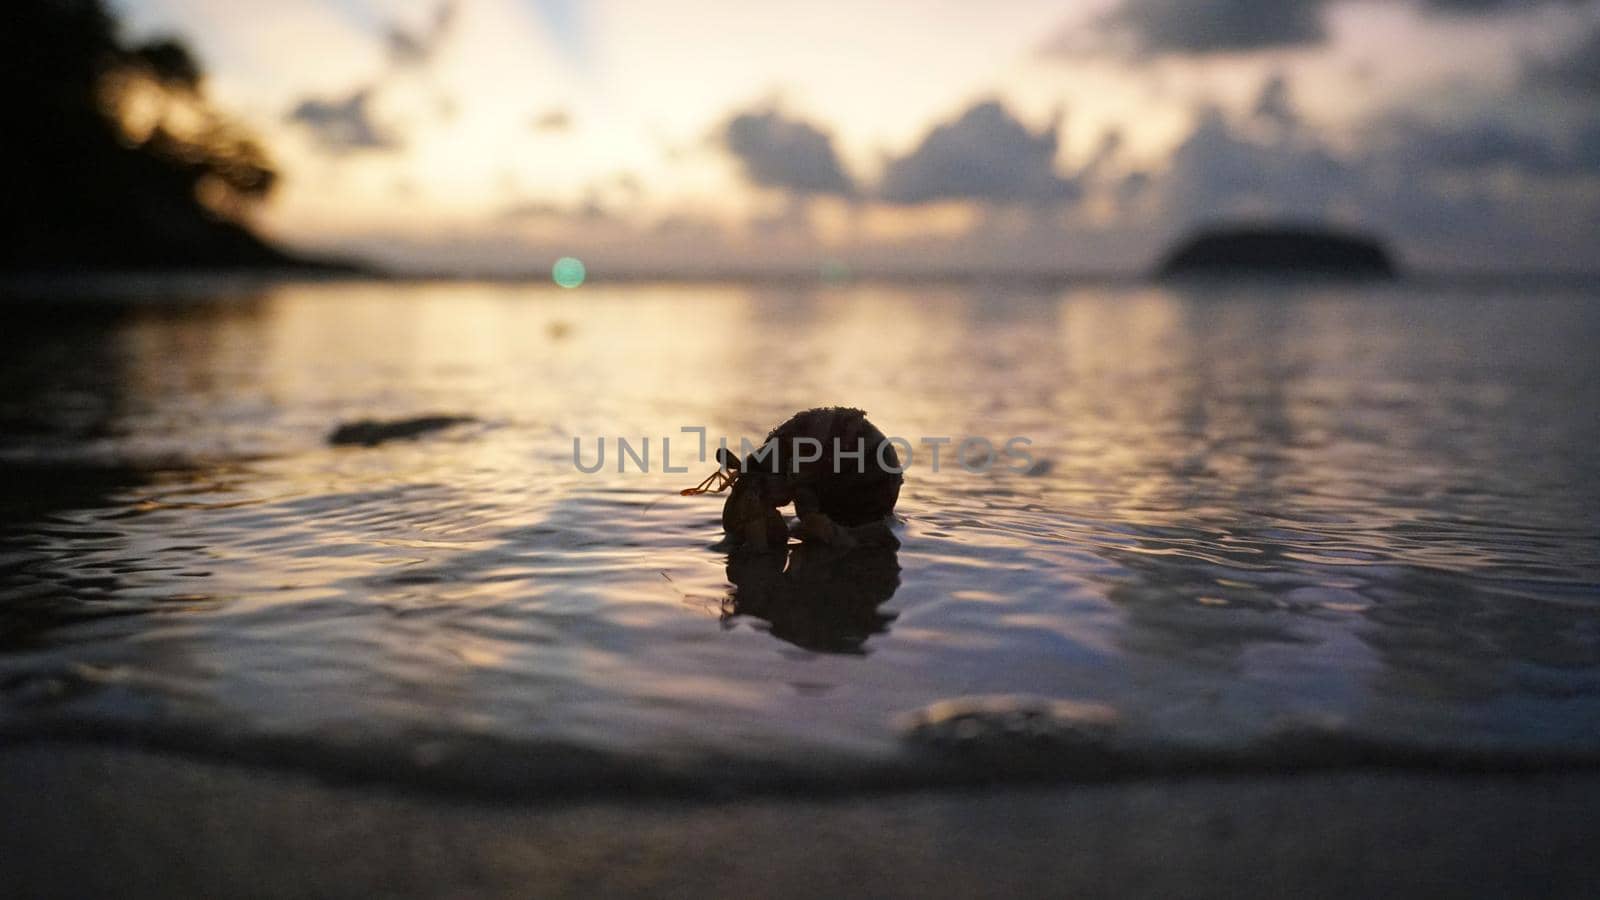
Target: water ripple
pixel 1372 536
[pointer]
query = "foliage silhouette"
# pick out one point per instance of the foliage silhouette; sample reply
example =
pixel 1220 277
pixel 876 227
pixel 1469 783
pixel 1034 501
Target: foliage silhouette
pixel 113 157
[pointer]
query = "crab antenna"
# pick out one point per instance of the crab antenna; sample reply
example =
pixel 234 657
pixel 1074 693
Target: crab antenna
pixel 715 483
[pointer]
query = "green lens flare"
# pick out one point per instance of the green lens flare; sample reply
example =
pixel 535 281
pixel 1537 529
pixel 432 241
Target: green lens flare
pixel 568 272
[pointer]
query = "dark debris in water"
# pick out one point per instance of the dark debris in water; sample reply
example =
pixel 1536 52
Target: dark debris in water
pixel 372 432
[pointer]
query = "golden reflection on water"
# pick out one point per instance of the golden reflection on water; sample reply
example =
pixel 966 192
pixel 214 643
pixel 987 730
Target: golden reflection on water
pixel 1246 505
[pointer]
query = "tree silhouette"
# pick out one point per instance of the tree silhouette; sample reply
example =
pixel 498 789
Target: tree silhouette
pixel 113 158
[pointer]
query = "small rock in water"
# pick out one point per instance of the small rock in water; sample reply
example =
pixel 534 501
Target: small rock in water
pixel 1019 736
pixel 372 432
pixel 966 720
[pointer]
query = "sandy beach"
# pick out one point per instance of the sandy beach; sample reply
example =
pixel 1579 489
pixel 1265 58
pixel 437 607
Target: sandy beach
pixel 89 821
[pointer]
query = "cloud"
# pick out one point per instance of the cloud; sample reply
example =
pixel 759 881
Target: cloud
pixel 1492 186
pixel 1218 171
pixel 1105 153
pixel 1223 169
pixel 1476 146
pixel 984 155
pixel 1576 71
pixel 346 125
pixel 530 210
pixel 777 151
pixel 418 48
pixel 1585 150
pixel 1476 7
pixel 551 120
pixel 587 212
pixel 342 126
pixel 1217 26
pixel 626 184
pixel 1201 27
pixel 1274 104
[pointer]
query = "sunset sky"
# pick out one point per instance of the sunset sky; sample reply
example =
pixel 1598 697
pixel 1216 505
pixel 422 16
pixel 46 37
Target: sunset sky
pixel 493 135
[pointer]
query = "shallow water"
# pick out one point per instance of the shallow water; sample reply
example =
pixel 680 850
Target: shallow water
pixel 1265 525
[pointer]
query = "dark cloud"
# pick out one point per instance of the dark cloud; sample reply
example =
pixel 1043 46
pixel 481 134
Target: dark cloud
pixel 342 126
pixel 1199 27
pixel 1219 171
pixel 1131 189
pixel 1475 146
pixel 985 155
pixel 1493 186
pixel 1218 26
pixel 1585 149
pixel 346 125
pixel 1474 7
pixel 777 151
pixel 417 48
pixel 1576 71
pixel 1105 153
pixel 1274 104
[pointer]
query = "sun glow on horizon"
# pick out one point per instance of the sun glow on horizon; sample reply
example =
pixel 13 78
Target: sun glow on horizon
pixel 427 128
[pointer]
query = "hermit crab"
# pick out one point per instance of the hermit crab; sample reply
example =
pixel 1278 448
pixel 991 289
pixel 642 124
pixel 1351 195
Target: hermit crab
pixel 842 475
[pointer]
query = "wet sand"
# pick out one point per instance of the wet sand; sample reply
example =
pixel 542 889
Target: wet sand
pixel 87 821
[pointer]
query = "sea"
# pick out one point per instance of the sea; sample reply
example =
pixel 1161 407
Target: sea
pixel 1146 529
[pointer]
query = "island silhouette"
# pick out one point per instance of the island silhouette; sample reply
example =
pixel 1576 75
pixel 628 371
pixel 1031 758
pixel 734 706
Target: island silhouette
pixel 1279 249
